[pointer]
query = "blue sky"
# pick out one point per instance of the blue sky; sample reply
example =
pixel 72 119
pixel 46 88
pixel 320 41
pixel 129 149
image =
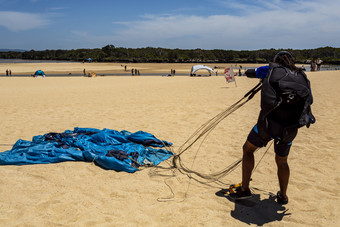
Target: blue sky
pixel 184 24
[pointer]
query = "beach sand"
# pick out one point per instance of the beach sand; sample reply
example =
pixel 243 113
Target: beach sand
pixel 171 108
pixel 77 68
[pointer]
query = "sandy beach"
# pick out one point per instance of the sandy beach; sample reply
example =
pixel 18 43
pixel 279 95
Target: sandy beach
pixel 102 69
pixel 171 108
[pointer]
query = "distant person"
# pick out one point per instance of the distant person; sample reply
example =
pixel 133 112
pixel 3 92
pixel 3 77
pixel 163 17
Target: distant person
pixel 84 71
pixel 132 72
pixel 318 64
pixel 125 68
pixel 10 72
pixel 286 100
pixel 313 65
pixel 6 72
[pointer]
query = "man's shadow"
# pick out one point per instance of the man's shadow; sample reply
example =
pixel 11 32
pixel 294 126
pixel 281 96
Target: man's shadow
pixel 256 211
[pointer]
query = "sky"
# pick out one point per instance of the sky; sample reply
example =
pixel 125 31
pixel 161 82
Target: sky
pixel 183 24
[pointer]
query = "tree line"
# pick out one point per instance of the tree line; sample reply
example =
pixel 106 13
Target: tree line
pixel 110 53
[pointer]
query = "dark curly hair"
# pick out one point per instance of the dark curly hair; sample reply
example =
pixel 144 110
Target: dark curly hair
pixel 285 59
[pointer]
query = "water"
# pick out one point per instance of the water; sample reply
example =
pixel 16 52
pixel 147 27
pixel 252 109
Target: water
pixel 307 67
pixel 98 75
pixel 9 61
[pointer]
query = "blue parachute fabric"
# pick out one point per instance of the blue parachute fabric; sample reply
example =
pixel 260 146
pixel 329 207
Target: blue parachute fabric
pixel 139 137
pixel 109 149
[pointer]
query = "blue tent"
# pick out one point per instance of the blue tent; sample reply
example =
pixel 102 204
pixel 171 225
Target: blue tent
pixel 39 73
pixel 110 149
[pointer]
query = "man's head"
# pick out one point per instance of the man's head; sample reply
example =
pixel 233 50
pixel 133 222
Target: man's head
pixel 286 59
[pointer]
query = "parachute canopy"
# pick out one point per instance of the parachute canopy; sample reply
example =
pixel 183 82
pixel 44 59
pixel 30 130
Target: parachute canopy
pixel 109 149
pixel 198 67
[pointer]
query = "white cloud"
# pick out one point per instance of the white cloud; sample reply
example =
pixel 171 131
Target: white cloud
pixel 18 21
pixel 286 24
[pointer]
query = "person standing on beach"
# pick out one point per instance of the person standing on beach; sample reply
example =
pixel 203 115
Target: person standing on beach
pixel 286 100
pixel 318 64
pixel 312 66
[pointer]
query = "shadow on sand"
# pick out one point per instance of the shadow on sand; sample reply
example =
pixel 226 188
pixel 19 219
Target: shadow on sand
pixel 256 211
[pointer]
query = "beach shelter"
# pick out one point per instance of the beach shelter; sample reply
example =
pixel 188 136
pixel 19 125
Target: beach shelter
pixel 39 73
pixel 199 67
pixel 89 59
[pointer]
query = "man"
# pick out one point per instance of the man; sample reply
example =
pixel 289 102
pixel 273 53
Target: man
pixel 285 106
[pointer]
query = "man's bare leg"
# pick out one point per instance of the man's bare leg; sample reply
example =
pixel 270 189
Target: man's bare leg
pixel 283 174
pixel 247 163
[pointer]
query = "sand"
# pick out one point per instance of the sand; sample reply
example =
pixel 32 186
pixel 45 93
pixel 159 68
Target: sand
pixel 73 68
pixel 171 108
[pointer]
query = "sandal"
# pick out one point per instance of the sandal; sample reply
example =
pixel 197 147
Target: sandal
pixel 239 194
pixel 280 199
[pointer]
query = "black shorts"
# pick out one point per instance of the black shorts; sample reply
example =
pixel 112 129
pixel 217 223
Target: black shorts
pixel 261 139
